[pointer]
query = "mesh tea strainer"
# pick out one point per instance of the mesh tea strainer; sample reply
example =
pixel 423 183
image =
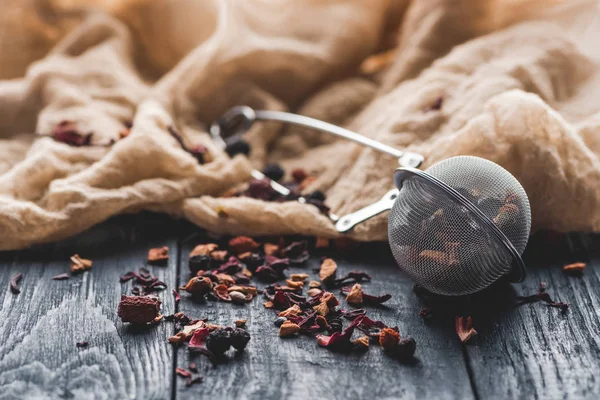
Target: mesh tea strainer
pixel 454 228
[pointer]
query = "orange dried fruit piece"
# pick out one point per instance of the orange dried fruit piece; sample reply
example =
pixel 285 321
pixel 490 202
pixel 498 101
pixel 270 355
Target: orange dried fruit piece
pixel 321 308
pixel 158 255
pixel 79 264
pixel 355 297
pixel 198 286
pixel 204 249
pixel 294 284
pixel 314 284
pixel 270 249
pixel 299 277
pixel 389 338
pixel 293 311
pixel 288 328
pixel 328 270
pixel 240 322
pixel 243 244
pixel 575 268
pixel 361 343
pixel 313 292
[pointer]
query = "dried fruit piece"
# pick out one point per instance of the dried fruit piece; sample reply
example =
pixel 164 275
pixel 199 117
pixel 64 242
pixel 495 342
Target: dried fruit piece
pixel 575 268
pixel 270 249
pixel 294 284
pixel 322 243
pixel 240 323
pixel 158 256
pixel 221 292
pixel 314 284
pixel 60 277
pixel 405 349
pixel 198 286
pixel 464 328
pixel 204 249
pixel 355 295
pixel 293 311
pixel 138 309
pixel 339 341
pixel 288 328
pixel 388 338
pixel 237 297
pixel 221 339
pixel 243 244
pixel 273 172
pixel 321 308
pixel 328 270
pixel 299 277
pixel 361 343
pixel 79 264
pixel 314 292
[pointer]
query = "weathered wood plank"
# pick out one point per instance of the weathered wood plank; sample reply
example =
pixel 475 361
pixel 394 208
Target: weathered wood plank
pixel 538 351
pixel 40 326
pixel 274 368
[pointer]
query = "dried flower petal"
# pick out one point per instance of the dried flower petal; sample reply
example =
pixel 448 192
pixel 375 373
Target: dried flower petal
pixel 299 277
pixel 79 264
pixel 575 268
pixel 158 256
pixel 339 341
pixel 293 311
pixel 61 277
pixel 14 283
pixel 138 309
pixel 288 328
pixel 243 244
pixel 183 372
pixel 389 338
pixel 240 323
pixel 464 329
pixel 221 292
pixel 270 249
pixel 328 270
pixel 198 286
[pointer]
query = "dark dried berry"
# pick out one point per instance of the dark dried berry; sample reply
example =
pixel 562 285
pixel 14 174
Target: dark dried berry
pixel 198 263
pixel 406 348
pixel 273 172
pixel 239 338
pixel 317 195
pixel 219 341
pixel 237 145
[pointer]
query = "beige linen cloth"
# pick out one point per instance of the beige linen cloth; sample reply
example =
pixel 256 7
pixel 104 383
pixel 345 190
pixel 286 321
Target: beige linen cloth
pixel 516 82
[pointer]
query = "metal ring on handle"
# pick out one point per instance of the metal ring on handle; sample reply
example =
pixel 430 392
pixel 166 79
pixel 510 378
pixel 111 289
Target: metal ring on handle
pixel 518 270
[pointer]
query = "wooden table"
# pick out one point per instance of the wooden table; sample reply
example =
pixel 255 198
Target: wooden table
pixel 533 351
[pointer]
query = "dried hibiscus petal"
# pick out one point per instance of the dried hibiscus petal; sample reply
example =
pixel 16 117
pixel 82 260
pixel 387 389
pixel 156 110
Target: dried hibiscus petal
pixel 232 266
pixel 270 249
pixel 138 309
pixel 296 252
pixel 183 372
pixel 339 341
pixel 79 264
pixel 358 297
pixel 158 256
pixel 14 283
pixel 199 336
pixel 464 329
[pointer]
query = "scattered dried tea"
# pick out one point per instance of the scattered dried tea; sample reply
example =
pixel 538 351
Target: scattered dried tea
pixel 355 296
pixel 138 309
pixel 82 344
pixel 204 249
pixel 221 339
pixel 270 249
pixel 61 277
pixel 464 328
pixel 240 323
pixel 14 283
pixel 158 256
pixel 575 268
pixel 198 286
pixel 541 295
pixel 79 264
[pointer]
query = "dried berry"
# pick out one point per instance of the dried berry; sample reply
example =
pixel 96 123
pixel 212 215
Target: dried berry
pixel 273 172
pixel 288 329
pixel 14 283
pixel 60 277
pixel 79 264
pixel 198 286
pixel 243 244
pixel 237 145
pixel 239 338
pixel 138 309
pixel 575 268
pixel 389 338
pixel 405 349
pixel 158 256
pixel 221 339
pixel 464 329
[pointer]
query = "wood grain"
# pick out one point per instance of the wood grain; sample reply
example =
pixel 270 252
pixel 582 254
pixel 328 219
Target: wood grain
pixel 538 351
pixel 41 325
pixel 275 368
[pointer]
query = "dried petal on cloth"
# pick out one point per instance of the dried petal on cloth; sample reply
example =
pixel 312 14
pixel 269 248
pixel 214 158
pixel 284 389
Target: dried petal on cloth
pixel 518 85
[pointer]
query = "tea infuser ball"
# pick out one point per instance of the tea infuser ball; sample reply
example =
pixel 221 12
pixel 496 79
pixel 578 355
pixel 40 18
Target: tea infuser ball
pixel 460 225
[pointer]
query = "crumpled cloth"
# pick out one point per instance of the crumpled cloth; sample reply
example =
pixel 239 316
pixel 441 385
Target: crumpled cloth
pixel 516 82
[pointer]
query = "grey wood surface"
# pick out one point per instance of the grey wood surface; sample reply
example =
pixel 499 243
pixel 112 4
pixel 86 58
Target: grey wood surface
pixel 533 351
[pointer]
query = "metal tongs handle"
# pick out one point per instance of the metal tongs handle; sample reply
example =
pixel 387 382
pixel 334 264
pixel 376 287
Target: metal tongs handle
pixel 249 116
pixel 349 221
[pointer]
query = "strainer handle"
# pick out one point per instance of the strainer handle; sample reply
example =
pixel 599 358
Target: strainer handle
pixel 349 221
pixel 249 115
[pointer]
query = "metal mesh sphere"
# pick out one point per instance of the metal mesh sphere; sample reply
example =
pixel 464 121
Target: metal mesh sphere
pixel 458 226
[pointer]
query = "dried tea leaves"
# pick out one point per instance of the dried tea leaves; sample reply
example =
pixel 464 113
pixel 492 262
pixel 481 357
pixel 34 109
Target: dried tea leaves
pixel 79 265
pixel 14 283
